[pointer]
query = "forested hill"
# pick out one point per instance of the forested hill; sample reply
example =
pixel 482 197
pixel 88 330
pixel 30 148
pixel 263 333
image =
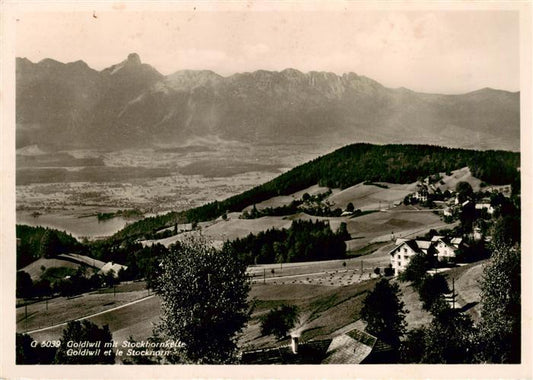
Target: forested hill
pixel 346 167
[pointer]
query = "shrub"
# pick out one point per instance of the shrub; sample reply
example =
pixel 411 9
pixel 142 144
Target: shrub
pixel 431 288
pixel 388 271
pixel 280 321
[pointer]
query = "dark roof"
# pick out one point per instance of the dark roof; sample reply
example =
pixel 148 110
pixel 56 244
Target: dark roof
pixel 344 349
pixel 410 243
pixel 312 352
pixel 363 337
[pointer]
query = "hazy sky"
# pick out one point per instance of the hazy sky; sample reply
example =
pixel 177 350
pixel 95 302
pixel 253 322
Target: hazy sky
pixel 439 51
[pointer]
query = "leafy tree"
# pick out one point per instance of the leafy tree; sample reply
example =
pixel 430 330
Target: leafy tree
pixel 110 278
pixel 474 251
pixel 24 285
pixel 50 244
pixel 416 269
pixel 85 331
pixel 350 207
pixel 384 312
pixel 342 232
pixel 431 288
pixel 467 216
pixel 449 338
pixel 500 313
pixel 464 191
pixel 25 354
pixel 36 242
pixel 388 271
pixel 204 300
pixel 42 288
pixel 279 321
pixel 413 346
pixel 506 230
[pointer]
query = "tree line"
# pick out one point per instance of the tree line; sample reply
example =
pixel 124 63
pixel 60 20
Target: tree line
pixel 37 242
pixel 303 241
pixel 346 167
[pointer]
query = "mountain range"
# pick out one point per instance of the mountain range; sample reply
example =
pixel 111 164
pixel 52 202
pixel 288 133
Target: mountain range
pixel 130 104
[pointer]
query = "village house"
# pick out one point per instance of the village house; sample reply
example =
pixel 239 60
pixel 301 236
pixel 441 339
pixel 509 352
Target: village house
pixel 487 206
pixel 446 248
pixel 113 268
pixel 440 247
pixel 421 194
pixel 353 347
pixel 403 252
pixel 477 235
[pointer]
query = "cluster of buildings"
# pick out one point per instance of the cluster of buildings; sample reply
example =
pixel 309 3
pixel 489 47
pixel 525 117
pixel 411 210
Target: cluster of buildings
pixel 441 248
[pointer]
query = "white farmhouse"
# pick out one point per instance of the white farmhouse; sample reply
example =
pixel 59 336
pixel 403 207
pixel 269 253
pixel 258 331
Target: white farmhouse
pixel 403 252
pixel 481 206
pixel 110 266
pixel 443 248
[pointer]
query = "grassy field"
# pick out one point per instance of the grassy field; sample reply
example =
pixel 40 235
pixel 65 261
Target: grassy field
pixel 324 309
pixel 62 309
pixel 416 317
pixel 377 227
pixel 284 200
pixel 35 269
pixel 326 273
pixel 466 287
pixel 449 182
pixel 371 197
pixel 66 261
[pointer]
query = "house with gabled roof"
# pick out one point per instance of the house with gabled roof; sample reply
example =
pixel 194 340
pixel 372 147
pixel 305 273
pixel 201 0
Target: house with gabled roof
pixel 403 252
pixel 440 247
pixel 112 267
pixel 445 250
pixel 351 347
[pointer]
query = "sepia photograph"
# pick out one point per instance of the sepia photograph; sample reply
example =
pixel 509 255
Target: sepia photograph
pixel 282 184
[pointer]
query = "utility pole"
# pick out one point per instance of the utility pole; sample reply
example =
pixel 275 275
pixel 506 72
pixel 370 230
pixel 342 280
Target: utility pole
pixel 264 275
pixel 453 293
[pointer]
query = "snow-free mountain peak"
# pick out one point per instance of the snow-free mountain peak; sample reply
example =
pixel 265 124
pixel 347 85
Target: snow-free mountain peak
pixel 131 104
